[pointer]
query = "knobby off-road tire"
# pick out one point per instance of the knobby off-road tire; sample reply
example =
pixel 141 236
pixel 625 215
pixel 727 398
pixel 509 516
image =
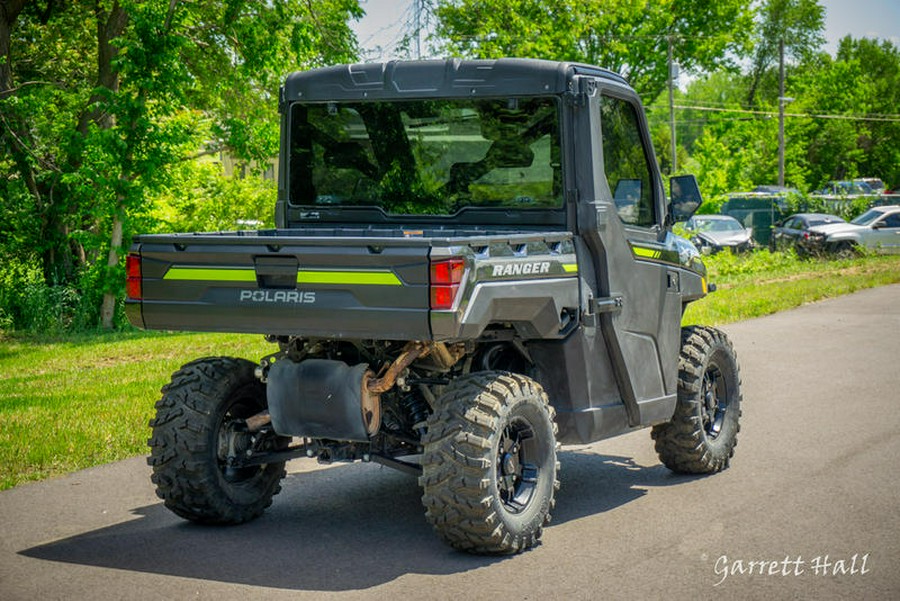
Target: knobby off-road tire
pixel 204 398
pixel 702 434
pixel 489 468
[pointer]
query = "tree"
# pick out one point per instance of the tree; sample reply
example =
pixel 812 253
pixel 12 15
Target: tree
pixel 100 99
pixel 842 124
pixel 879 77
pixel 786 28
pixel 859 89
pixel 626 36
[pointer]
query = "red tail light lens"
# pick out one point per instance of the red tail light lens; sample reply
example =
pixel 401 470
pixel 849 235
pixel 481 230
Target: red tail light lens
pixel 133 277
pixel 446 275
pixel 448 271
pixel 442 297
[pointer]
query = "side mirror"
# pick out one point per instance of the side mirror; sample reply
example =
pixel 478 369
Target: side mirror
pixel 684 197
pixel 878 225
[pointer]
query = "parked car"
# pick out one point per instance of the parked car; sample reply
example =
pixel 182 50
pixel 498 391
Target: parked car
pixel 775 189
pixel 874 183
pixel 847 188
pixel 713 233
pixel 800 231
pixel 877 229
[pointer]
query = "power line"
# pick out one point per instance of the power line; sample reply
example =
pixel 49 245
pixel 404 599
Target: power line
pixel 398 30
pixel 879 118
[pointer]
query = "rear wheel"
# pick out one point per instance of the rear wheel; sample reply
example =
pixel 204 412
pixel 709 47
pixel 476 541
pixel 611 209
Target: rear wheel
pixel 701 436
pixel 198 430
pixel 489 468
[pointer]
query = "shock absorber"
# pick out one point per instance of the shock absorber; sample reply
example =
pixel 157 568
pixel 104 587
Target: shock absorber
pixel 416 410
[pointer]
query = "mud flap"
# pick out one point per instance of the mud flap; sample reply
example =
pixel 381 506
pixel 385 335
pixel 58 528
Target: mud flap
pixel 317 398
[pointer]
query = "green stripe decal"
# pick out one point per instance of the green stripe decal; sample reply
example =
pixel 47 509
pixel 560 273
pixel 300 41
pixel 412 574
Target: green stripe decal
pixel 211 274
pixel 646 253
pixel 248 274
pixel 570 267
pixel 363 278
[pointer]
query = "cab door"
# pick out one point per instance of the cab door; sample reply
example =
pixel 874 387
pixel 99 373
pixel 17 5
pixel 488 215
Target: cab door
pixel 637 284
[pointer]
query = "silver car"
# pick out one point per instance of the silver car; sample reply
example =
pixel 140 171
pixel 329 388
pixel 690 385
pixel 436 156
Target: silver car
pixel 713 233
pixel 877 229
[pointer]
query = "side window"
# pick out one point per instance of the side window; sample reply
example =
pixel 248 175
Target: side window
pixel 892 220
pixel 625 162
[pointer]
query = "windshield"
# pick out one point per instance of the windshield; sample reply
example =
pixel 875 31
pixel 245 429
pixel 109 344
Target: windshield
pixel 718 225
pixel 867 217
pixel 427 157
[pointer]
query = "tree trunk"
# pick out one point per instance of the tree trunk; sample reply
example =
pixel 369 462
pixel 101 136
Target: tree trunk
pixel 9 12
pixel 108 308
pixel 109 27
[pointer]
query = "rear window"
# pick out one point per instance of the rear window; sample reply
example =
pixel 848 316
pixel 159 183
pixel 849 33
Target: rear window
pixel 427 157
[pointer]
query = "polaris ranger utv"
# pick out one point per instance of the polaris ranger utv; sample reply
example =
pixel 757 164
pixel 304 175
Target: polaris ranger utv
pixel 472 263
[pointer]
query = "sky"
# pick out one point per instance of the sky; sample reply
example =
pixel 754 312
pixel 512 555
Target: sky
pixel 383 24
pixel 861 18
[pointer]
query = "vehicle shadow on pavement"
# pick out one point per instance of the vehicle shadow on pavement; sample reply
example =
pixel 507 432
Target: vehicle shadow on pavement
pixel 343 528
pixel 594 483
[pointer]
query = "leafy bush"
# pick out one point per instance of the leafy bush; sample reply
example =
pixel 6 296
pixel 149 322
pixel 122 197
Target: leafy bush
pixel 846 209
pixel 200 198
pixel 27 303
pixel 726 264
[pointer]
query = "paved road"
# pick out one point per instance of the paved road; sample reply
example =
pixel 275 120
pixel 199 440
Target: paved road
pixel 813 485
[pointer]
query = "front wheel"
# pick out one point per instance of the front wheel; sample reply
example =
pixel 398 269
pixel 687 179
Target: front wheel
pixel 199 426
pixel 846 250
pixel 489 469
pixel 701 436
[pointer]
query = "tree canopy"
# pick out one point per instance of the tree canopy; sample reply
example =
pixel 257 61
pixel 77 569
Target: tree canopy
pixel 101 99
pixel 793 27
pixel 114 114
pixel 628 36
pixel 842 123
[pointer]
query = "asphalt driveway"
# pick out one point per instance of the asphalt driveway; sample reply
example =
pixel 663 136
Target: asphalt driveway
pixel 808 510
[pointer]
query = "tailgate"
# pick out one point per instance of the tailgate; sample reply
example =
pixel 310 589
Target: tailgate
pixel 329 287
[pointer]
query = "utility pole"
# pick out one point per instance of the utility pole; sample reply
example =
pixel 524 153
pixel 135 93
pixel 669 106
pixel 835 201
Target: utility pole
pixel 418 19
pixel 672 75
pixel 781 100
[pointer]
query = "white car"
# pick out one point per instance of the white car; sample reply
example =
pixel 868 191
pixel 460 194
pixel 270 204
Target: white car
pixel 877 229
pixel 714 233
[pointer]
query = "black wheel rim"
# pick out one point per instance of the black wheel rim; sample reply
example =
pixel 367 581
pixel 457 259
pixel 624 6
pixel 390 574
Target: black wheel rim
pixel 713 401
pixel 517 466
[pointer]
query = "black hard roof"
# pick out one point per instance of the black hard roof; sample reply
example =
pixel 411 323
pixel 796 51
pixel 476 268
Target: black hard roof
pixel 451 78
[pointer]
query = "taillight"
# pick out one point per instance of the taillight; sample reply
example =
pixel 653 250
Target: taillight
pixel 446 276
pixel 133 276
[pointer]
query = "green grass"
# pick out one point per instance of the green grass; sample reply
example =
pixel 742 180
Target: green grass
pixel 68 404
pixel 71 404
pixel 760 284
